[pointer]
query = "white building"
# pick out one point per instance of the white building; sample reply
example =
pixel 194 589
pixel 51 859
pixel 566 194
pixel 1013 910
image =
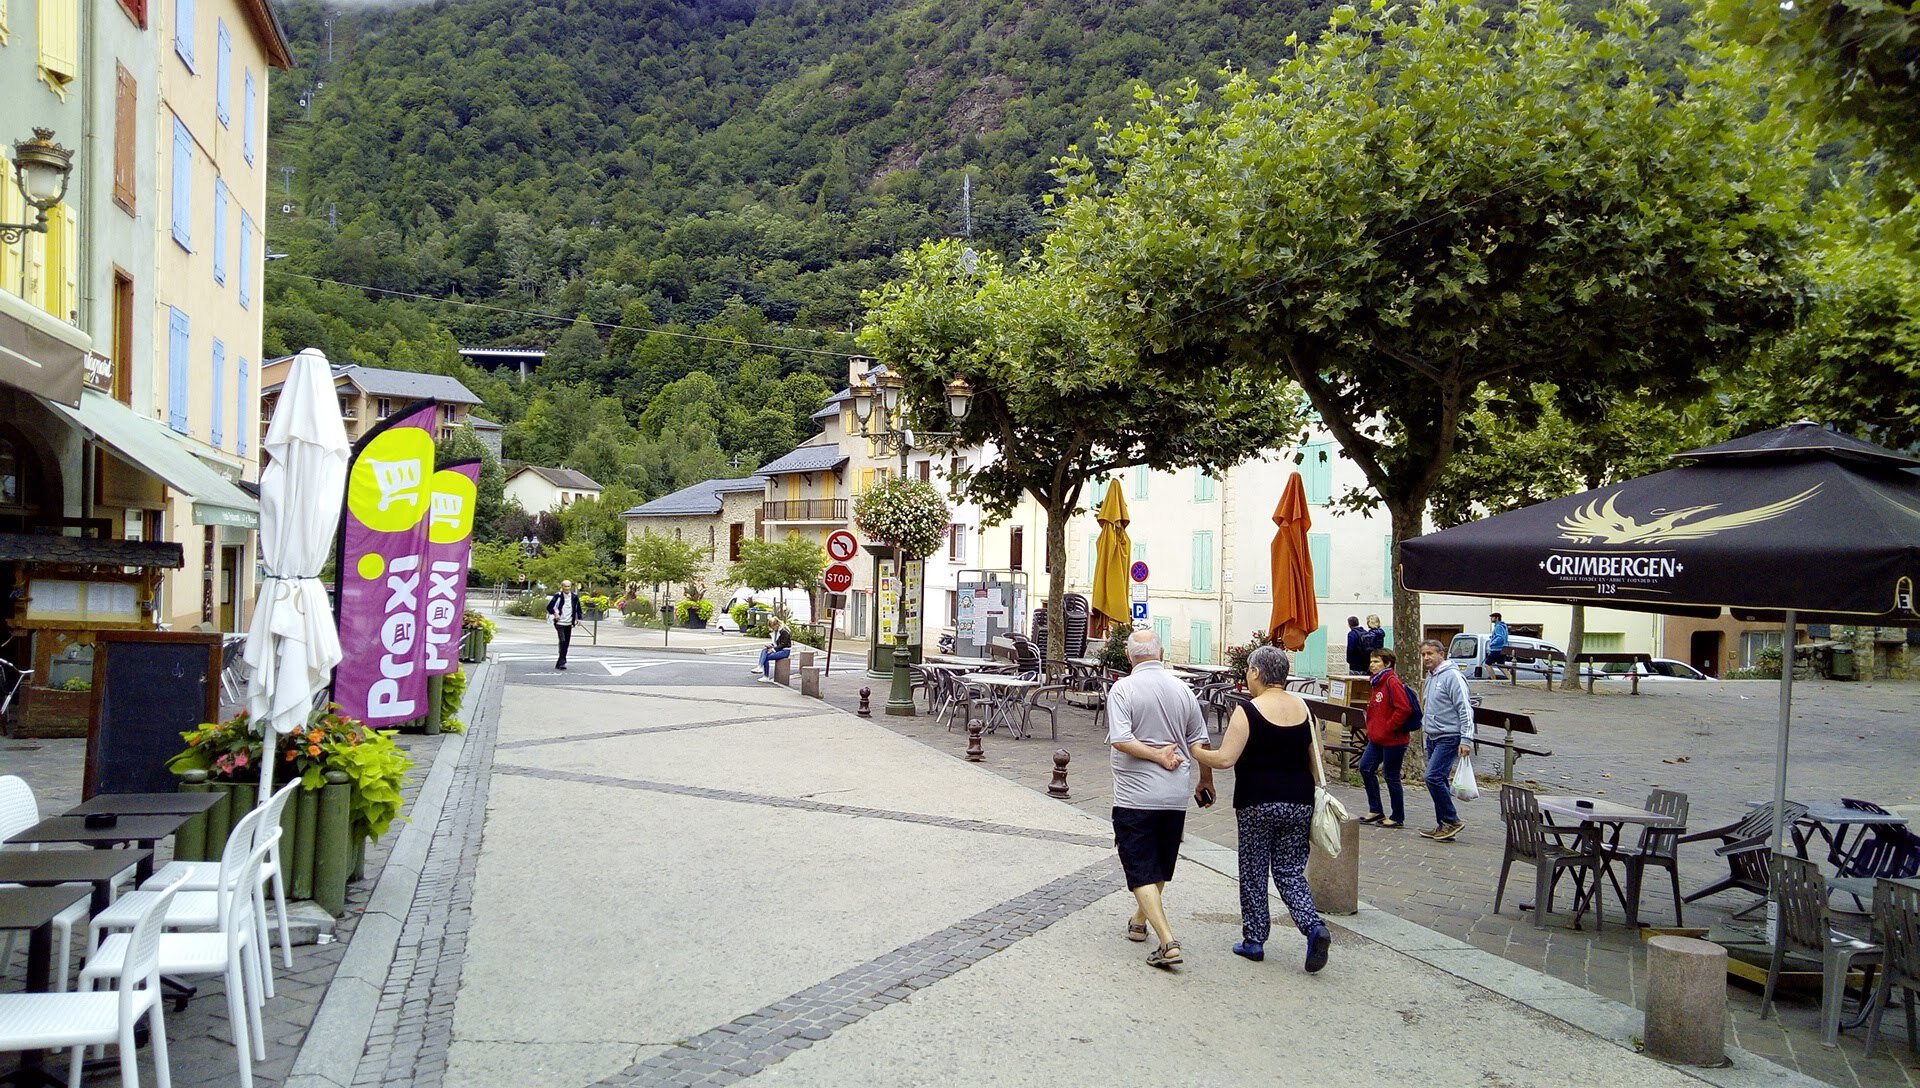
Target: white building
pixel 552 489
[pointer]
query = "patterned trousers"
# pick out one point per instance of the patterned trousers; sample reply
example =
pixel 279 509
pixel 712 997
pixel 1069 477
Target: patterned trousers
pixel 1273 840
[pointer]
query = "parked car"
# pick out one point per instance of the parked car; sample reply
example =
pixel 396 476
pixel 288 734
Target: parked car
pixel 1656 669
pixel 1469 652
pixel 798 605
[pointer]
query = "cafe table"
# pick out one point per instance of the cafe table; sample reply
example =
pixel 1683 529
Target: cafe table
pixel 141 829
pixel 1004 694
pixel 147 804
pixel 33 910
pixel 48 868
pixel 948 669
pixel 1600 824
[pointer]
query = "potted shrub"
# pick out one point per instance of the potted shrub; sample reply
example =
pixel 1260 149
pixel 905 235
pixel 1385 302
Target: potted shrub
pixel 1237 656
pixel 594 606
pixel 476 631
pixel 694 613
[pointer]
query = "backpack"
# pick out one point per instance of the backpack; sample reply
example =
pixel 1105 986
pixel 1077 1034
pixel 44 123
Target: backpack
pixel 1416 720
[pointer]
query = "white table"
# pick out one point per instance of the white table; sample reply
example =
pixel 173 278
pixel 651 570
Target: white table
pixel 1005 693
pixel 1598 820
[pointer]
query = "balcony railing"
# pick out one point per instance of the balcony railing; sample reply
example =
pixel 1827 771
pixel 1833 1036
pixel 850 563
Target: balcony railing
pixel 804 510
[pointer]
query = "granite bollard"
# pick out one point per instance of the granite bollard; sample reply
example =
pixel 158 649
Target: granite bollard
pixel 1336 881
pixel 1686 1001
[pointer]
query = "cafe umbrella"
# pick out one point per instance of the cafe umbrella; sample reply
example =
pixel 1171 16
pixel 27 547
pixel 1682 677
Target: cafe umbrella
pixel 1794 525
pixel 1113 554
pixel 1296 612
pixel 293 645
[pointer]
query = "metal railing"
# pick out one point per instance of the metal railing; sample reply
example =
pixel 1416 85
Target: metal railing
pixel 804 510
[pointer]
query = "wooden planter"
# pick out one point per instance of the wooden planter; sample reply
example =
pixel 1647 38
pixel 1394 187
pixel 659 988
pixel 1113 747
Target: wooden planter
pixel 473 645
pixel 52 712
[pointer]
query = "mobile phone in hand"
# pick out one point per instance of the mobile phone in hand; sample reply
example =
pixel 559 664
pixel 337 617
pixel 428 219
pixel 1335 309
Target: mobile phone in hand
pixel 1205 796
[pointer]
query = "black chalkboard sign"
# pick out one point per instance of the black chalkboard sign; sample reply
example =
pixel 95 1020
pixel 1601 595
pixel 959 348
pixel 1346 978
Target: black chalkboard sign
pixel 148 688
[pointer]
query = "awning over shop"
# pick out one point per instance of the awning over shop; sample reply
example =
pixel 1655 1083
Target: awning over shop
pixel 40 353
pixel 146 444
pixel 89 551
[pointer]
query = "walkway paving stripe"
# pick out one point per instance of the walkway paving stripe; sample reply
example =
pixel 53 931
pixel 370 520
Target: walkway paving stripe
pixel 635 691
pixel 643 730
pixel 749 1044
pixel 739 797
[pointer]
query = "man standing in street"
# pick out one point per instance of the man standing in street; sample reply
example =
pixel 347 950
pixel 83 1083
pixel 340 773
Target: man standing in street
pixel 1359 645
pixel 563 608
pixel 1153 722
pixel 1448 719
pixel 1497 647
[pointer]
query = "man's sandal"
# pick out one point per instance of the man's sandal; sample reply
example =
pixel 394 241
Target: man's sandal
pixel 1167 955
pixel 1136 931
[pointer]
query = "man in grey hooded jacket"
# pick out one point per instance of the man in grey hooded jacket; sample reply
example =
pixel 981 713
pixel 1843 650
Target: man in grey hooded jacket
pixel 1448 718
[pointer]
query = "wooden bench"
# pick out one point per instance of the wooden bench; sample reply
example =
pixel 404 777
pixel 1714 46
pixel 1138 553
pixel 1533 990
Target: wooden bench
pixel 1555 663
pixel 1511 723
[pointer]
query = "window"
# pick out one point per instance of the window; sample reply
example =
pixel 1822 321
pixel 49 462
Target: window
pixel 1754 643
pixel 135 9
pixel 1139 551
pixel 1320 552
pixel 222 72
pixel 1203 486
pixel 1017 548
pixel 926 471
pixel 1163 630
pixel 122 337
pixel 382 408
pixel 177 362
pixel 1316 472
pixel 59 27
pixel 126 128
pixel 246 260
pixel 183 31
pixel 242 425
pixel 957 543
pixel 956 468
pixel 249 117
pixel 1312 660
pixel 182 185
pixel 218 431
pixel 219 230
pixel 1096 493
pixel 60 276
pixel 1141 474
pixel 1203 561
pixel 736 532
pixel 1093 555
pixel 1200 642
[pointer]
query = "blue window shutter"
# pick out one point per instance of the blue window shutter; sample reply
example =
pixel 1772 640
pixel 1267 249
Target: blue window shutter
pixel 223 73
pixel 1141 474
pixel 242 422
pixel 1203 561
pixel 246 259
pixel 178 341
pixel 1139 551
pixel 1320 549
pixel 1163 630
pixel 1312 661
pixel 1317 472
pixel 1202 486
pixel 219 230
pixel 218 432
pixel 1200 643
pixel 249 118
pixel 182 185
pixel 183 31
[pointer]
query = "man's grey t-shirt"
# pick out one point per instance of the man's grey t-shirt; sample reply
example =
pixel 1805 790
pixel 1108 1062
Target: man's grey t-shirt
pixel 1152 706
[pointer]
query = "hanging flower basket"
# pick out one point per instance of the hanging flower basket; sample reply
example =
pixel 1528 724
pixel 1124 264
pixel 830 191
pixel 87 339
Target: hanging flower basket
pixel 910 515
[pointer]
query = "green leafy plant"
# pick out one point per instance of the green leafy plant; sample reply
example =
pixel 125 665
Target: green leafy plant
pixel 376 767
pixel 592 602
pixel 739 614
pixel 909 514
pixel 807 635
pixel 474 621
pixel 532 606
pixel 686 610
pixel 77 683
pixel 1237 655
pixel 1113 652
pixel 228 751
pixel 453 692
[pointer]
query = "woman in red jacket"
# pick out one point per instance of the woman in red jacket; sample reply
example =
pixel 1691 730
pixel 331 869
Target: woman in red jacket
pixel 1387 714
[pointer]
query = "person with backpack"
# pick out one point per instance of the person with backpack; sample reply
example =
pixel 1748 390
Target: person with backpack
pixel 1392 715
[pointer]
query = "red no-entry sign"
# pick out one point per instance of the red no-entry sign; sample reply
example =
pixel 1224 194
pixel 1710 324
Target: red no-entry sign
pixel 837 579
pixel 841 546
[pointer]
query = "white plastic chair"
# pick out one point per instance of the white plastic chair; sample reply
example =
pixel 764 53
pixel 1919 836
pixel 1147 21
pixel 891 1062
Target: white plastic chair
pixel 19 811
pixel 230 951
pixel 79 1020
pixel 204 877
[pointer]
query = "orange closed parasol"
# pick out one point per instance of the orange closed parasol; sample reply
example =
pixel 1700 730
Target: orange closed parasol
pixel 1114 555
pixel 1295 612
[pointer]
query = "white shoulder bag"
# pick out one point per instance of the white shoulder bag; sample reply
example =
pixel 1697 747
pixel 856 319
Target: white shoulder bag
pixel 1328 812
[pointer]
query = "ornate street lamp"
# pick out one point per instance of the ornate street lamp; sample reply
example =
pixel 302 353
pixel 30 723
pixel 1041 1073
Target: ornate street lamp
pixel 41 168
pixel 879 408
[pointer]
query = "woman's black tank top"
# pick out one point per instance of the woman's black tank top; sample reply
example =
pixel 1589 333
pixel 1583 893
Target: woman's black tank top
pixel 1277 765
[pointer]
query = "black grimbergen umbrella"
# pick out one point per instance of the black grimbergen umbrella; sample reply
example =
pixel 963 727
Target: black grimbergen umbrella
pixel 1798 524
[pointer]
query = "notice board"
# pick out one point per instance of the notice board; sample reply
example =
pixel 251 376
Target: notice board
pixel 148 688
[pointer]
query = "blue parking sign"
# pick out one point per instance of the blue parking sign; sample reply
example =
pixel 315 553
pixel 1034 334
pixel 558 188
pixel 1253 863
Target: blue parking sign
pixel 1139 610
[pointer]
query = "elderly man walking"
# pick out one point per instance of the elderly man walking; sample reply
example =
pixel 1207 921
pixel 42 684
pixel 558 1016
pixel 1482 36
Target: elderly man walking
pixel 1153 723
pixel 1448 718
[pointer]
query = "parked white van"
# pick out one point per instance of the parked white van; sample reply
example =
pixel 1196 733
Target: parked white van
pixel 799 606
pixel 1469 652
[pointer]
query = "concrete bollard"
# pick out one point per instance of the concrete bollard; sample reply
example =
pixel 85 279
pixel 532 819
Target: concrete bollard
pixel 1335 882
pixel 1058 787
pixel 804 657
pixel 783 671
pixel 1686 1001
pixel 810 680
pixel 864 711
pixel 975 753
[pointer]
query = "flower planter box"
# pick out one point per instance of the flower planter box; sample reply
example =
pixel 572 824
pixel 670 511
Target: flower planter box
pixel 51 712
pixel 695 622
pixel 312 855
pixel 593 615
pixel 473 645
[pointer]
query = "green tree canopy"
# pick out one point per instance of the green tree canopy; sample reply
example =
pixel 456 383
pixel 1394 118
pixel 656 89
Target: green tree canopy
pixel 794 563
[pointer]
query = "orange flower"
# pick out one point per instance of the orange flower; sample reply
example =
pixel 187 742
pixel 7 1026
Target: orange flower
pixel 313 750
pixel 292 755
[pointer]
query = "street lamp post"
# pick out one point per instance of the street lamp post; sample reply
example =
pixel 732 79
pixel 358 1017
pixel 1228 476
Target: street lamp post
pixel 878 406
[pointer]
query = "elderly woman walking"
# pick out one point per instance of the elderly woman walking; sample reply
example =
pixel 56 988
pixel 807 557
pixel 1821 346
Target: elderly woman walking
pixel 1270 743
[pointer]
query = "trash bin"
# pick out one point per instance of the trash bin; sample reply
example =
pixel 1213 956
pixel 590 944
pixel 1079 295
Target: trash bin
pixel 1842 664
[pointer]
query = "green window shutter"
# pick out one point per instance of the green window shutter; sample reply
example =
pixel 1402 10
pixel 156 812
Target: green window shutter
pixel 1388 641
pixel 1163 630
pixel 1141 474
pixel 1312 661
pixel 1093 555
pixel 1203 486
pixel 1316 472
pixel 1139 551
pixel 1203 561
pixel 1200 643
pixel 1320 549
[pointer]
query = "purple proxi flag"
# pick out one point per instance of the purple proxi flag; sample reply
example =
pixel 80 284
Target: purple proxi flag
pixel 381 576
pixel 456 488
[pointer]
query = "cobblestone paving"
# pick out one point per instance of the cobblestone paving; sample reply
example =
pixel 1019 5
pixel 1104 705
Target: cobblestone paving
pixel 1715 742
pixel 413 1025
pixel 748 1044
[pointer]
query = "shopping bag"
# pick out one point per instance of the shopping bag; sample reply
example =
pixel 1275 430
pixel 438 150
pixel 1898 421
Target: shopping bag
pixel 1323 830
pixel 1465 786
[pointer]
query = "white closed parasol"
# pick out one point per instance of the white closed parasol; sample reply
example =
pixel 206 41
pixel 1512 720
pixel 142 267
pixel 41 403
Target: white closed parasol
pixel 293 644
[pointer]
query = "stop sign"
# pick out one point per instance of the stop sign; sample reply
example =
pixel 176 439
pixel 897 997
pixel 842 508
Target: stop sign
pixel 837 579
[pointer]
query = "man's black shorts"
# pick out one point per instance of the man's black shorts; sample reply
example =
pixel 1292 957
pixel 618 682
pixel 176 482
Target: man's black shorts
pixel 1149 843
pixel 1497 657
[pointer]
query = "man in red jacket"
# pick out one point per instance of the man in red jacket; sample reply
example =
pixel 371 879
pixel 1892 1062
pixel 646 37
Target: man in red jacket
pixel 1387 714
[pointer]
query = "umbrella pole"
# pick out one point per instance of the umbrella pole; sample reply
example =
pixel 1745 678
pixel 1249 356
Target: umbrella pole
pixel 1780 747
